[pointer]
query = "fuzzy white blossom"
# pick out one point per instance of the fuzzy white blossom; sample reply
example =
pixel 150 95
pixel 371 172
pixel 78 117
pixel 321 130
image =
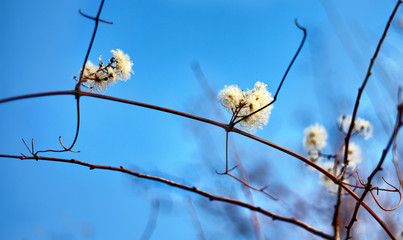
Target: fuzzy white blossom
pixel 123 64
pixel 315 138
pixel 98 78
pixel 361 126
pixel 240 104
pixel 94 78
pixel 231 98
pixel 364 127
pixel 354 155
pixel 90 69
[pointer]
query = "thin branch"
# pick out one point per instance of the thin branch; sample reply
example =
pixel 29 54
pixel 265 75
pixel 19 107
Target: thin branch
pixel 210 196
pixel 336 215
pixel 249 186
pixel 368 185
pixel 75 137
pixel 218 124
pixel 78 85
pixel 285 74
pixel 395 160
pixel 92 18
pixel 203 81
pixel 152 220
pixel 396 190
pixel 91 42
pixel 89 94
pixel 196 220
pixel 361 89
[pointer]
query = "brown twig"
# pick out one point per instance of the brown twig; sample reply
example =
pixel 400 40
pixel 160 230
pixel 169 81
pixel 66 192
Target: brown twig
pixel 361 89
pixel 336 215
pixel 203 81
pixel 395 160
pixel 218 124
pixel 227 172
pixel 368 186
pixel 396 190
pixel 210 196
pixel 78 84
pixel 285 74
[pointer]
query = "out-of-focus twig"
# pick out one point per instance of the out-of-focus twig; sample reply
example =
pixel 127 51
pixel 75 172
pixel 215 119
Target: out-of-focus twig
pixel 196 220
pixel 368 185
pixel 152 220
pixel 361 89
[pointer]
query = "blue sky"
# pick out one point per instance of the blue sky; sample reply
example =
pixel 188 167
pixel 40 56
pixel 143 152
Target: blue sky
pixel 43 44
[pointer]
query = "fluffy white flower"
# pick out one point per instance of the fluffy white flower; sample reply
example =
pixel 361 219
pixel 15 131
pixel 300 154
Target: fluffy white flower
pixel 231 97
pixel 98 78
pixel 123 64
pixel 90 70
pixel 96 86
pixel 241 104
pixel 256 99
pixel 364 127
pixel 354 155
pixel 94 77
pixel 361 126
pixel 343 122
pixel 315 138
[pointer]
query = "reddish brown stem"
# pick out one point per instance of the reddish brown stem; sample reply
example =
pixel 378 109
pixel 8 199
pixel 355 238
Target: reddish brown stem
pixel 222 125
pixel 368 186
pixel 181 186
pixel 361 89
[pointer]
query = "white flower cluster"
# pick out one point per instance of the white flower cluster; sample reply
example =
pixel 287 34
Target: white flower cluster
pixel 354 155
pixel 240 104
pixel 98 78
pixel 361 126
pixel 314 140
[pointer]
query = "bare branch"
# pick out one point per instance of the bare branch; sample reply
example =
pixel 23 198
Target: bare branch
pixel 368 186
pixel 210 196
pixel 285 74
pixel 361 89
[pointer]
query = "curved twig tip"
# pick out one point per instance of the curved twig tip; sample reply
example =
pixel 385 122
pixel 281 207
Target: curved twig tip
pixel 299 26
